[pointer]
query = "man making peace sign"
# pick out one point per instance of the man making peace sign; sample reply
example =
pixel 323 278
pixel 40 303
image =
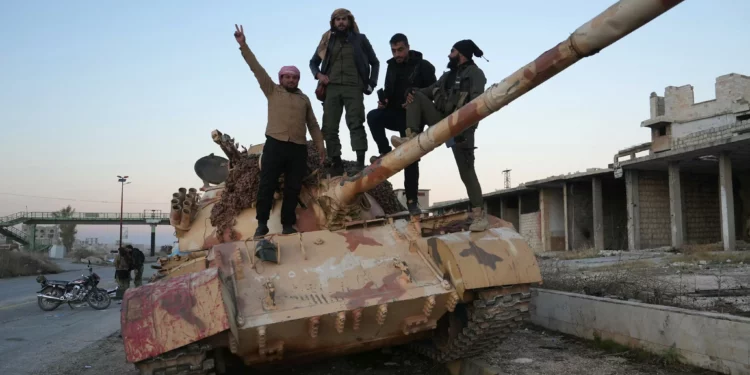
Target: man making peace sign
pixel 290 114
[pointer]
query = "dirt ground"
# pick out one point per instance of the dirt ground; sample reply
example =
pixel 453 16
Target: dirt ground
pixel 710 281
pixel 529 351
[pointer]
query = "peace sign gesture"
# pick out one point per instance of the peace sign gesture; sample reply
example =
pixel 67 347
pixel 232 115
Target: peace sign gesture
pixel 239 34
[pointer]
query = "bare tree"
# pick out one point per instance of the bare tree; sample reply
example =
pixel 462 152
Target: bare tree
pixel 67 231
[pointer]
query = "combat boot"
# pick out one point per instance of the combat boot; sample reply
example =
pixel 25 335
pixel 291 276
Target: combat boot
pixel 337 169
pixel 360 161
pixel 398 141
pixel 479 221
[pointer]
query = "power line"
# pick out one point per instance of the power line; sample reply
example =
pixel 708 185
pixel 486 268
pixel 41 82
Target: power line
pixel 77 200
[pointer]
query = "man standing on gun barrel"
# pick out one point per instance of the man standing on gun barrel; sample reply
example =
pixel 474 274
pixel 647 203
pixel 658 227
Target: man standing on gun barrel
pixel 290 114
pixel 349 69
pixel 461 84
pixel 407 70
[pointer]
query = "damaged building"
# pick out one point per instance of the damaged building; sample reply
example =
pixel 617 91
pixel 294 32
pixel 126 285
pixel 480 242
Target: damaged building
pixel 688 185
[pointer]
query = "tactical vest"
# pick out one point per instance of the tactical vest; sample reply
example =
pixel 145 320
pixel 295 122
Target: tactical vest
pixel 451 96
pixel 343 70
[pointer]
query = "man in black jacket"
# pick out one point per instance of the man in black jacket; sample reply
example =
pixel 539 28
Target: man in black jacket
pixel 346 67
pixel 407 70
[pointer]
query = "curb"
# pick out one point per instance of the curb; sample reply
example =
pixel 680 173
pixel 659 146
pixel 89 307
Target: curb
pixel 472 366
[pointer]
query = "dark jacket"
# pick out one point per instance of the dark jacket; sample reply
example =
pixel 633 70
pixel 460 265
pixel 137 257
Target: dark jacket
pixel 456 88
pixel 419 73
pixel 368 65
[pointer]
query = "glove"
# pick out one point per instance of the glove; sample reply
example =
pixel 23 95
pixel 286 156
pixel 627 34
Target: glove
pixel 368 90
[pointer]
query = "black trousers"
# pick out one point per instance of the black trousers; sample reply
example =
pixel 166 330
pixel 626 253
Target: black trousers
pixel 393 119
pixel 281 157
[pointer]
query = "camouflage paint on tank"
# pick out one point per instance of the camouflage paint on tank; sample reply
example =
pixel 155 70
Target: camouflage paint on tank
pixel 337 291
pixel 166 315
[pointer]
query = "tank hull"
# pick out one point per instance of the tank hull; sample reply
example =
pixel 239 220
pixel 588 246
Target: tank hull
pixel 374 284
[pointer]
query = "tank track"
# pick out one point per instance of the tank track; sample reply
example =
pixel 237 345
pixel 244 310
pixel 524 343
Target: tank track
pixel 486 322
pixel 189 360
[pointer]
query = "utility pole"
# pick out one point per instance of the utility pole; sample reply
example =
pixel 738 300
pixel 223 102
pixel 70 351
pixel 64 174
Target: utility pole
pixel 506 173
pixel 121 180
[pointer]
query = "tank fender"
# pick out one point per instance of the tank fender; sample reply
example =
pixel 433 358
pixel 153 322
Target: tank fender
pixel 476 260
pixel 165 315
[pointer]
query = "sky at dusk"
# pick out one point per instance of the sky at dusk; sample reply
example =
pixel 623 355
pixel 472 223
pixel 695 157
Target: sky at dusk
pixel 91 89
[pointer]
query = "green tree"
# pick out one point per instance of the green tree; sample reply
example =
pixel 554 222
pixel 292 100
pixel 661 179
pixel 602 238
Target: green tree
pixel 67 231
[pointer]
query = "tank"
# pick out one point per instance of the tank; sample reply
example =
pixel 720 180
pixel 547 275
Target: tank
pixel 358 276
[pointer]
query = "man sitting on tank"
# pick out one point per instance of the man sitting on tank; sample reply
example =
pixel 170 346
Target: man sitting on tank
pixel 461 84
pixel 406 70
pixel 290 116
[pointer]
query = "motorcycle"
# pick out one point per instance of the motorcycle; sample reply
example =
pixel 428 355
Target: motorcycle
pixel 82 290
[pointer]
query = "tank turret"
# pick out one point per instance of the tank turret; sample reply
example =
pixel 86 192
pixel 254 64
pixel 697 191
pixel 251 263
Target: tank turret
pixel 359 275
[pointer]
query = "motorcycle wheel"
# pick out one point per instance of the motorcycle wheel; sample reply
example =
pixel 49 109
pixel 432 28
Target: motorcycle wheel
pixel 48 304
pixel 98 299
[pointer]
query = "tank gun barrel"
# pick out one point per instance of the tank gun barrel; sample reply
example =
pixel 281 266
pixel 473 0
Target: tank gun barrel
pixel 617 21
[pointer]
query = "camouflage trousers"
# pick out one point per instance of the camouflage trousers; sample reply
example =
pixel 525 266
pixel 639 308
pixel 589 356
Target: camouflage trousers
pixel 423 111
pixel 138 279
pixel 338 98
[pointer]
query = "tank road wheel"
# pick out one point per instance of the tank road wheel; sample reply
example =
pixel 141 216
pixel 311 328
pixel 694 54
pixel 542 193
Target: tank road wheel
pixel 474 327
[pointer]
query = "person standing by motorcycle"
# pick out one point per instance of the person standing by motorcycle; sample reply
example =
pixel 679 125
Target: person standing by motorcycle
pixel 138 260
pixel 123 264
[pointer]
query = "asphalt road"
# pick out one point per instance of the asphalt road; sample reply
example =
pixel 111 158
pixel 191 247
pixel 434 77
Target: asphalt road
pixel 32 339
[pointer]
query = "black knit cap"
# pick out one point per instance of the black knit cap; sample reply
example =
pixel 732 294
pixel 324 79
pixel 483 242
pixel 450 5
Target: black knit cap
pixel 467 48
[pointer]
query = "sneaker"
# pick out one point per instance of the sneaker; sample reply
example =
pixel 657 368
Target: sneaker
pixel 413 207
pixel 261 231
pixel 479 221
pixel 288 229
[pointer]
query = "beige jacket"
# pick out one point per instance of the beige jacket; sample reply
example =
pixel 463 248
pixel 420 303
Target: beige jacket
pixel 290 114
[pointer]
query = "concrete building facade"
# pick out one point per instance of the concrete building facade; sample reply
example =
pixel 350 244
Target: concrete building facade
pixel 45 234
pixel 690 187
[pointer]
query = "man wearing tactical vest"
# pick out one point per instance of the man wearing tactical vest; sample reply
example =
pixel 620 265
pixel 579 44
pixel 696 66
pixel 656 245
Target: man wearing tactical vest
pixel 406 70
pixel 461 84
pixel 349 69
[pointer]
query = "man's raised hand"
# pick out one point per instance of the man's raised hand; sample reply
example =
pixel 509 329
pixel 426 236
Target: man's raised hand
pixel 239 34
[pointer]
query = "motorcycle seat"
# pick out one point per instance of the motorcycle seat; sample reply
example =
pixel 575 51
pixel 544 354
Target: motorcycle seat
pixel 57 282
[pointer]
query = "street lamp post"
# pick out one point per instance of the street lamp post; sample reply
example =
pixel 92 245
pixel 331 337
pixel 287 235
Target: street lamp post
pixel 121 180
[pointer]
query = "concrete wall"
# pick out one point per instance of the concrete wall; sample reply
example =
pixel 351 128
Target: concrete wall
pixel 706 130
pixel 530 229
pixel 717 342
pixel 553 216
pixel 510 210
pixel 700 204
pixel 678 103
pixel 615 214
pixel 423 197
pixel 742 199
pixel 654 209
pixel 581 216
